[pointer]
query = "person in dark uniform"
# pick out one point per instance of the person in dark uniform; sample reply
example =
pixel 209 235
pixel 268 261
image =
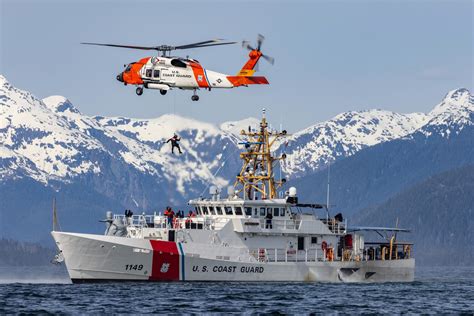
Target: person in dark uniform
pixel 269 219
pixel 174 143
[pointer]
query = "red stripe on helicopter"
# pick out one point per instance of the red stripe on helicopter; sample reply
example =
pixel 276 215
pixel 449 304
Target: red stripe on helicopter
pixel 199 75
pixel 165 265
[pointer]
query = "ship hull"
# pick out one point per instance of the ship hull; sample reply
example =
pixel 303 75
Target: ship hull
pixel 96 258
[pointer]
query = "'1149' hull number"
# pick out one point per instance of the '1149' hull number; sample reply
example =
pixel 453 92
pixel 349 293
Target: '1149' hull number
pixel 137 267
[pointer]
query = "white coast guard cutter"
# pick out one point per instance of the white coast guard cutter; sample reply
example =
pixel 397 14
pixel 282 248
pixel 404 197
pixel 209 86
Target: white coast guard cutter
pixel 250 235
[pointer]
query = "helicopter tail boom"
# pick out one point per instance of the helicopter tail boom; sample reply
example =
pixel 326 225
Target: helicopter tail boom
pixel 249 68
pixel 246 80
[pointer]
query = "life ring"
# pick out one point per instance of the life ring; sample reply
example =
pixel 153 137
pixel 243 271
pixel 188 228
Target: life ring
pixel 324 245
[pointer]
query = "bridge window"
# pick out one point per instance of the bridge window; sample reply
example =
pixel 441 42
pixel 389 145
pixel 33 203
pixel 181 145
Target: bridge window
pixel 228 210
pixel 262 212
pixel 282 211
pixel 196 209
pixel 204 210
pixel 219 210
pixel 276 211
pixel 238 210
pixel 248 211
pixel 156 73
pixel 314 240
pixel 211 210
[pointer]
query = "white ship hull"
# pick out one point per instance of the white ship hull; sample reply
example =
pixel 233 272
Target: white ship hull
pixel 96 258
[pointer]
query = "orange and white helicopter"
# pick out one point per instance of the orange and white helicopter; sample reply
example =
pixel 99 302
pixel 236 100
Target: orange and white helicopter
pixel 166 72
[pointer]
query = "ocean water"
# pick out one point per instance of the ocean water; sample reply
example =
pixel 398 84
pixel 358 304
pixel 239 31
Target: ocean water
pixel 435 290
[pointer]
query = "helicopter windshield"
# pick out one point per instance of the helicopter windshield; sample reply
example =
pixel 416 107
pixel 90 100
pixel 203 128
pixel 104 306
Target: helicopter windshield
pixel 128 67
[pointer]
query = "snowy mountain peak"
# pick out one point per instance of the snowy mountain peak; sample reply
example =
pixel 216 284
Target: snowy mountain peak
pixel 461 95
pixel 234 127
pixel 344 135
pixel 59 104
pixel 452 114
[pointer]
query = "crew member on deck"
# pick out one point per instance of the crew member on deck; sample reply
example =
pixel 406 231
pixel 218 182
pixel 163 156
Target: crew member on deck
pixel 269 219
pixel 169 215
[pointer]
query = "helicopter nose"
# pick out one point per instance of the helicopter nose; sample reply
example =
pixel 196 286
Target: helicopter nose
pixel 120 77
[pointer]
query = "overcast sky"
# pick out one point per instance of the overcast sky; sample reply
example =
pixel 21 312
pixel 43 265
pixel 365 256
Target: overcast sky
pixel 331 56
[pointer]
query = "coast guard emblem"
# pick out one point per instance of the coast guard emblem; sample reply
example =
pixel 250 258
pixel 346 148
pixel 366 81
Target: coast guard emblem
pixel 164 267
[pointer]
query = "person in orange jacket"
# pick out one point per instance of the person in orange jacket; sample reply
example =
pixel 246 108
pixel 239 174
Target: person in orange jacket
pixel 169 215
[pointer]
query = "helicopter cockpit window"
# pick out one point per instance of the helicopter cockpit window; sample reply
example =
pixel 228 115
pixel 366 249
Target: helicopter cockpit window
pixel 178 63
pixel 128 68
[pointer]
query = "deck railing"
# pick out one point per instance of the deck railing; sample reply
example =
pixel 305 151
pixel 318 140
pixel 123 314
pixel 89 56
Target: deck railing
pixel 315 254
pixel 201 222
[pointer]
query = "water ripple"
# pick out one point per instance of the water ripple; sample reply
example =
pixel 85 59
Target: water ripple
pixel 436 290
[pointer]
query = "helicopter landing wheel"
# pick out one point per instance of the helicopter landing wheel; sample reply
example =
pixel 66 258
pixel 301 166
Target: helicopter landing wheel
pixel 139 91
pixel 163 92
pixel 195 98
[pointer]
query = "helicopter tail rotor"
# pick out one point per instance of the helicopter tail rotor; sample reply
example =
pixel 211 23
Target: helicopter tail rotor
pixel 260 40
pixel 254 56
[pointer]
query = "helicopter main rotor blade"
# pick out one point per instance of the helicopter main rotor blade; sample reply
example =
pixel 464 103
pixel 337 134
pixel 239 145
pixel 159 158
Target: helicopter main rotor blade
pixel 202 45
pixel 164 48
pixel 123 46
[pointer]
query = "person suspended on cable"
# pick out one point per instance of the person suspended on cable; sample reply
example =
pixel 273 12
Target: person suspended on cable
pixel 174 143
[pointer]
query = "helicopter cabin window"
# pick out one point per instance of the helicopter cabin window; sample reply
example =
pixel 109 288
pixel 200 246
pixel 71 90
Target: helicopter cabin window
pixel 148 73
pixel 204 210
pixel 178 63
pixel 276 211
pixel 211 210
pixel 248 211
pixel 156 73
pixel 238 210
pixel 219 210
pixel 262 212
pixel 228 210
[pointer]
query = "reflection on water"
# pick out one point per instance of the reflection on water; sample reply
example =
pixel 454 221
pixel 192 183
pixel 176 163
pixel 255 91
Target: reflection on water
pixel 436 290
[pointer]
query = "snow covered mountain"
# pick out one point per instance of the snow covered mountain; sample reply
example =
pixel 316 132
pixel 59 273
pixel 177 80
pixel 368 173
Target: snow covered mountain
pixel 50 141
pixel 344 135
pixel 49 148
pixel 347 133
pixel 454 113
pixel 234 128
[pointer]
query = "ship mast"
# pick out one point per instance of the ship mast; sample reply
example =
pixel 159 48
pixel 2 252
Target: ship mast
pixel 256 176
